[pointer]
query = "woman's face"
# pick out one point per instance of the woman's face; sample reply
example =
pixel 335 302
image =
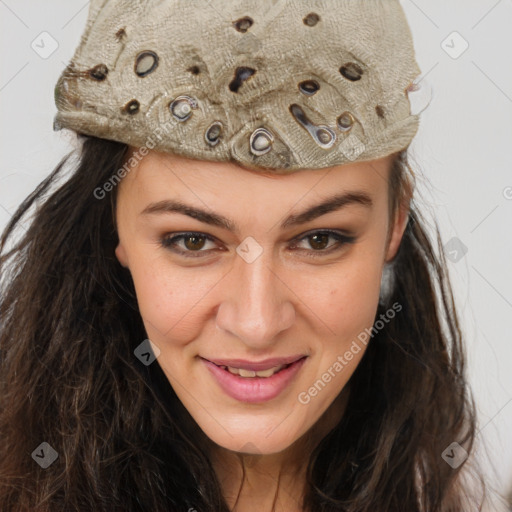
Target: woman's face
pixel 233 264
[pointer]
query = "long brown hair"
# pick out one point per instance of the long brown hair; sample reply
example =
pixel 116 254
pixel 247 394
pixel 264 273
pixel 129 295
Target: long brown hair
pixel 69 378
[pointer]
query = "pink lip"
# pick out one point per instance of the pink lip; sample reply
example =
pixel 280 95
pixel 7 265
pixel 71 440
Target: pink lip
pixel 256 366
pixel 254 389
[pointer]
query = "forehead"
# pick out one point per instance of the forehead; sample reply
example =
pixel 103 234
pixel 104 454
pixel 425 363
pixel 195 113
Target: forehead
pixel 157 169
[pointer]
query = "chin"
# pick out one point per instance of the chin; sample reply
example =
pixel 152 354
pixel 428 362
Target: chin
pixel 253 440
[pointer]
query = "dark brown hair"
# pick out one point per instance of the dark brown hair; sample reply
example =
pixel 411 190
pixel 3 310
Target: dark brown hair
pixel 68 376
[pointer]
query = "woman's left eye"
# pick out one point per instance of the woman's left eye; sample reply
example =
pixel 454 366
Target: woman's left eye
pixel 193 243
pixel 319 241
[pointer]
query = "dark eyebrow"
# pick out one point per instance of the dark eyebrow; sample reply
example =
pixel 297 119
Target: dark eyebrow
pixel 331 204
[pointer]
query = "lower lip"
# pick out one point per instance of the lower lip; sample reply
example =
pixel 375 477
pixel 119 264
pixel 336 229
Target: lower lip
pixel 254 389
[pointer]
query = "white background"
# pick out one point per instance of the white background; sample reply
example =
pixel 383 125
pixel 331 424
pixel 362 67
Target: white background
pixel 461 152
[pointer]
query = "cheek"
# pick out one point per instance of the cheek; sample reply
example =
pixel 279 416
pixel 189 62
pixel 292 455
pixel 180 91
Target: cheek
pixel 357 299
pixel 347 305
pixel 170 302
pixel 348 299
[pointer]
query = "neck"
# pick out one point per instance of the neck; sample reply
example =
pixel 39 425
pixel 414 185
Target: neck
pixel 273 482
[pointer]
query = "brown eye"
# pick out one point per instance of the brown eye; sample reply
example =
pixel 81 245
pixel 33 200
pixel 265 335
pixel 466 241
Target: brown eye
pixel 187 244
pixel 196 242
pixel 319 241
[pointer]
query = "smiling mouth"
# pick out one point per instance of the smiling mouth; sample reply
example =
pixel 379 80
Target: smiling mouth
pixel 274 363
pixel 250 374
pixel 255 386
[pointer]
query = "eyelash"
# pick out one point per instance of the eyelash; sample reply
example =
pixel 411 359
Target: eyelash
pixel 168 241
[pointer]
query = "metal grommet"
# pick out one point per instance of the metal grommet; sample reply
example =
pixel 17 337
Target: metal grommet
pixel 322 135
pixel 309 87
pixel 145 63
pixel 132 107
pixel 345 121
pixel 352 71
pixel 213 133
pixel 325 137
pixel 261 141
pixel 99 72
pixel 242 74
pixel 181 107
pixel 243 24
pixel 311 19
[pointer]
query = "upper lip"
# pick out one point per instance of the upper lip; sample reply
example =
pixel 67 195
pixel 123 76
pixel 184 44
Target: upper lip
pixel 244 364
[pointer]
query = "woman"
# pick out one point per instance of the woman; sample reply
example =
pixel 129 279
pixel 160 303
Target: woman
pixel 232 302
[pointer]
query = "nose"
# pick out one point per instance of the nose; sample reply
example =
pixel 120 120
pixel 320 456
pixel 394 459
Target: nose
pixel 255 303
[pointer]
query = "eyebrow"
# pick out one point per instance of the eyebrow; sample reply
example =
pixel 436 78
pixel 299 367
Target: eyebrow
pixel 329 205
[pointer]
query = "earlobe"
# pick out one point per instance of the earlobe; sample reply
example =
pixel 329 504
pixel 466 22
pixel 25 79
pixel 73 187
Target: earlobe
pixel 401 221
pixel 121 255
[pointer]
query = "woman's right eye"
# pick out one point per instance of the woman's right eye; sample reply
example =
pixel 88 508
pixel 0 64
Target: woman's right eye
pixel 192 243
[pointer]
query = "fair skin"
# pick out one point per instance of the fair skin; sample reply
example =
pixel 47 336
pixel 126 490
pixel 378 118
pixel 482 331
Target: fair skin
pixel 304 294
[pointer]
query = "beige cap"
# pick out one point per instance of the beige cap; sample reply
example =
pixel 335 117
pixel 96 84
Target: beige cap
pixel 279 84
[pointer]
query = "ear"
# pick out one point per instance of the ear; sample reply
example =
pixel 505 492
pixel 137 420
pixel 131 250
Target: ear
pixel 400 223
pixel 121 255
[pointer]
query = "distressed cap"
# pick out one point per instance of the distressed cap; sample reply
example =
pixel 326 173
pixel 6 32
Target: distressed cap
pixel 275 84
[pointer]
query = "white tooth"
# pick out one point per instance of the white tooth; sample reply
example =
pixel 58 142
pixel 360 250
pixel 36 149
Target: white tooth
pixel 247 373
pixel 266 373
pixel 251 373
